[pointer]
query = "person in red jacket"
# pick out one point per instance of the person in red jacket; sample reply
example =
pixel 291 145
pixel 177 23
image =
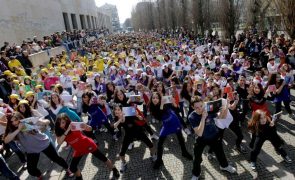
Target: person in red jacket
pixel 81 144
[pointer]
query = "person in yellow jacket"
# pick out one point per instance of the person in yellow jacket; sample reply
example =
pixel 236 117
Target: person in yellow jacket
pixel 16 67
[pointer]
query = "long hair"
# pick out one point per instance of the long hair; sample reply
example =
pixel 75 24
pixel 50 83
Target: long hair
pixel 117 100
pixel 108 91
pixel 85 106
pixel 155 108
pixel 28 112
pixel 59 131
pixel 184 93
pixel 10 127
pixel 261 93
pixel 254 123
pixel 52 104
pixel 31 103
pixel 116 105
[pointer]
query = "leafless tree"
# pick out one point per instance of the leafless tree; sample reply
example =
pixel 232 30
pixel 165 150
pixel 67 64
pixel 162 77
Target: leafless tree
pixel 229 14
pixel 287 10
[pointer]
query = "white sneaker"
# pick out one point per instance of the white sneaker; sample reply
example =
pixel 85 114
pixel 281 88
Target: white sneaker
pixel 229 169
pixel 287 159
pixel 102 130
pixel 115 137
pixel 195 177
pixel 131 145
pixel 155 137
pixel 210 156
pixel 187 131
pixel 123 167
pixel 253 165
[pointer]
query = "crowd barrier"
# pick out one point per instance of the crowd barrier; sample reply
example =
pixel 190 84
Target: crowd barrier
pixel 42 58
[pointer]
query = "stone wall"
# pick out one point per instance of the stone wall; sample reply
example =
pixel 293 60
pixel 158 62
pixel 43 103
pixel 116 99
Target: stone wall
pixel 22 19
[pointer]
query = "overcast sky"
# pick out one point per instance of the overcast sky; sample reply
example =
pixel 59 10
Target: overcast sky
pixel 124 7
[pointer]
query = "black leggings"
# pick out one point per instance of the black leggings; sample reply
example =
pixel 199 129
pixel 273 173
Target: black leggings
pixel 286 104
pixel 50 152
pixel 162 140
pixel 216 146
pixel 234 126
pixel 148 128
pixel 130 138
pixel 75 161
pixel 275 140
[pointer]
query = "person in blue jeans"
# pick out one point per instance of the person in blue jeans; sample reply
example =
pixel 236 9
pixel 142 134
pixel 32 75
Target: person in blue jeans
pixel 6 171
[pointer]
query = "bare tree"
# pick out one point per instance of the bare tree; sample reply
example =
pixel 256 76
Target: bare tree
pixel 287 10
pixel 229 15
pixel 198 16
pixel 256 10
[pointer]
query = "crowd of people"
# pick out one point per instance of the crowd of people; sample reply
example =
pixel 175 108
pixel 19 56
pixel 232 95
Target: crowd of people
pixel 125 83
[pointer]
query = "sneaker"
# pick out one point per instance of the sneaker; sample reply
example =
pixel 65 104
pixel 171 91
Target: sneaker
pixel 292 116
pixel 123 167
pixel 241 149
pixel 210 156
pixel 116 173
pixel 158 164
pixel 195 177
pixel 155 137
pixel 131 145
pixel 187 131
pixel 287 159
pixel 153 120
pixel 187 155
pixel 253 165
pixel 24 166
pixel 69 173
pixel 67 147
pixel 115 137
pixel 154 157
pixel 229 169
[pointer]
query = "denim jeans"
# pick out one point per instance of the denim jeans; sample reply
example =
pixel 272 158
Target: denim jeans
pixel 14 147
pixel 6 171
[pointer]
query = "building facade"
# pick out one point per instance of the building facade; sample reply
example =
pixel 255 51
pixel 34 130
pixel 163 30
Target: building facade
pixel 111 10
pixel 21 19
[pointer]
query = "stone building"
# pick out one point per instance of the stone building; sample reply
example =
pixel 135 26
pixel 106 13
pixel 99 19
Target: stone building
pixel 21 19
pixel 111 10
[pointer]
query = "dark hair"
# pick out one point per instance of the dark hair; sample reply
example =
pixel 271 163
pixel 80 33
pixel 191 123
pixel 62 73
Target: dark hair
pixel 27 113
pixel 10 127
pixel 52 104
pixel 59 131
pixel 60 89
pixel 117 100
pixel 116 105
pixel 184 93
pixel 159 83
pixel 85 107
pixel 155 108
pixel 109 92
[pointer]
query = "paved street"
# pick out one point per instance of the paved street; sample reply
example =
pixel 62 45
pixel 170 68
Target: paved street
pixel 269 166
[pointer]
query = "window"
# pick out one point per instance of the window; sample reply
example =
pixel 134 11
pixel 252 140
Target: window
pixel 88 21
pixel 92 20
pixel 74 21
pixel 66 21
pixel 82 20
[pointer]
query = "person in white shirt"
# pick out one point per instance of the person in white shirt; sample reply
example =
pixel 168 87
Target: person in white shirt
pixel 272 67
